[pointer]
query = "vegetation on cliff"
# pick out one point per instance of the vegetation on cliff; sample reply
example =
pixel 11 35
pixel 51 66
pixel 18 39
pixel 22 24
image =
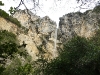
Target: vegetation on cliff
pixel 13 60
pixel 9 18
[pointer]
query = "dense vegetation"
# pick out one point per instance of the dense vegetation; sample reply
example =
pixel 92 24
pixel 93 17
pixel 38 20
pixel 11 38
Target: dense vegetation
pixel 79 57
pixel 11 55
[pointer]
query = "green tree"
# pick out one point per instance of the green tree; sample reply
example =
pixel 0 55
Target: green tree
pixel 79 57
pixel 1 4
pixel 8 45
pixel 12 10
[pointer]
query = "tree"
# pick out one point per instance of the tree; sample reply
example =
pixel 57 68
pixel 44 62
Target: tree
pixel 79 57
pixel 12 10
pixel 1 4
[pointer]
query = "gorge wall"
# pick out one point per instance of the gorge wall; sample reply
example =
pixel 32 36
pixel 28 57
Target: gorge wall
pixel 39 33
pixel 81 24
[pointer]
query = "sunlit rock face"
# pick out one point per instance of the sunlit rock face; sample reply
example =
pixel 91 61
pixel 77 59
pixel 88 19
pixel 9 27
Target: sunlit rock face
pixel 81 24
pixel 24 17
pixel 5 25
pixel 41 33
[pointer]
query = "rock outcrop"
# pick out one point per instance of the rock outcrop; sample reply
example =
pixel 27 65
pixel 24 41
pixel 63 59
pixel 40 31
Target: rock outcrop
pixel 81 24
pixel 41 33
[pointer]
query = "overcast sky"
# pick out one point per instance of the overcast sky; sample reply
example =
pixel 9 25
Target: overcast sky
pixel 53 8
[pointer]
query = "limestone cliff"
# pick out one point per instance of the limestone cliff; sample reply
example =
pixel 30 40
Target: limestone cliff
pixel 81 24
pixel 39 33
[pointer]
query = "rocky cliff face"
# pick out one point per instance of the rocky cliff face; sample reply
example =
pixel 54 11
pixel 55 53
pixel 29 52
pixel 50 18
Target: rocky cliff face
pixel 39 33
pixel 81 24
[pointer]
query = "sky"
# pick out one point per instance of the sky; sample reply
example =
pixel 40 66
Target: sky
pixel 52 8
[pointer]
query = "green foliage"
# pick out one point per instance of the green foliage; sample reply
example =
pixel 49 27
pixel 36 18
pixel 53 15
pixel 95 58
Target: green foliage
pixel 8 45
pixel 24 70
pixel 10 69
pixel 79 13
pixel 1 4
pixel 6 36
pixel 40 66
pixel 17 67
pixel 14 20
pixel 97 9
pixel 1 69
pixel 12 10
pixel 9 18
pixel 96 38
pixel 9 51
pixel 85 13
pixel 3 14
pixel 79 57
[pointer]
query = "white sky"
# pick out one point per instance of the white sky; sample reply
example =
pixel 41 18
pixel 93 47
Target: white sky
pixel 52 8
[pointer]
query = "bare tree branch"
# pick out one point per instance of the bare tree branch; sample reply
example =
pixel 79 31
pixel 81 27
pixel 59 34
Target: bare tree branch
pixel 83 4
pixel 36 3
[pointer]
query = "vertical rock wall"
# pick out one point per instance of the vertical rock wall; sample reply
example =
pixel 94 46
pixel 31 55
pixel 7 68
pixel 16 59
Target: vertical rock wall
pixel 41 33
pixel 81 24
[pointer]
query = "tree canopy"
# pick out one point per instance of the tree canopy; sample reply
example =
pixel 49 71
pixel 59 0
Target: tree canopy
pixel 79 57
